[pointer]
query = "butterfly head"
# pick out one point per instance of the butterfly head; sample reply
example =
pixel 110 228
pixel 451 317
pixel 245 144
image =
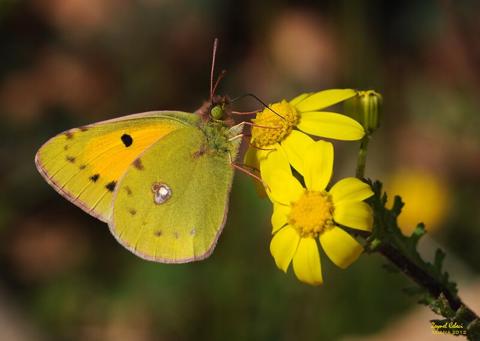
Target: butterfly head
pixel 217 110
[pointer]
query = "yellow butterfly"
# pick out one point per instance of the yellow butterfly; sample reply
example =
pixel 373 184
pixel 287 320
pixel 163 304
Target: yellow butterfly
pixel 160 179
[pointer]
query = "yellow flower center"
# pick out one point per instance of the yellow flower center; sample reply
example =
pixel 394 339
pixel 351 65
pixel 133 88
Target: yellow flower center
pixel 312 213
pixel 273 126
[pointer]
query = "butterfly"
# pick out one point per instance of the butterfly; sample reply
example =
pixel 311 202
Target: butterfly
pixel 160 179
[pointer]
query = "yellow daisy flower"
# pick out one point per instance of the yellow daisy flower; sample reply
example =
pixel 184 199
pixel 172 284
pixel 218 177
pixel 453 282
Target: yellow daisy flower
pixel 302 216
pixel 285 126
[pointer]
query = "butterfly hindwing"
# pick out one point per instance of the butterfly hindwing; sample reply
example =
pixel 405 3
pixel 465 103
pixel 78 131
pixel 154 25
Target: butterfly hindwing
pixel 187 225
pixel 85 164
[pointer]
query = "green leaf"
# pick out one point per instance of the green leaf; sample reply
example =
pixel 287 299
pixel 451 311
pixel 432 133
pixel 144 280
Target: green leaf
pixel 418 233
pixel 438 261
pixel 401 250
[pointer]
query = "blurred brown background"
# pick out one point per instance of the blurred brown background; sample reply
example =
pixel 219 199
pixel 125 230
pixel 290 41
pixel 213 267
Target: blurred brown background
pixel 66 63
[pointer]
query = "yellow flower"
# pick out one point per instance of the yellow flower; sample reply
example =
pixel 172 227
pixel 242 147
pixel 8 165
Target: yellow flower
pixel 284 125
pixel 302 216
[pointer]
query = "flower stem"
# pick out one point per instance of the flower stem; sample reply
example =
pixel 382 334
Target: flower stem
pixel 437 290
pixel 421 277
pixel 454 309
pixel 362 157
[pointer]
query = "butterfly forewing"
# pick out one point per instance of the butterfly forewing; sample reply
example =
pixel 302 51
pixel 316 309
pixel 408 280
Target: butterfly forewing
pixel 85 164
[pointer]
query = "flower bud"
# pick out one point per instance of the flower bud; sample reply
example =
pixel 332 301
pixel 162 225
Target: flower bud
pixel 365 108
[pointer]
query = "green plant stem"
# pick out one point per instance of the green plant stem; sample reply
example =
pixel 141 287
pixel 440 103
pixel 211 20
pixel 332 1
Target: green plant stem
pixel 362 157
pixel 423 278
pixel 459 313
pixel 436 289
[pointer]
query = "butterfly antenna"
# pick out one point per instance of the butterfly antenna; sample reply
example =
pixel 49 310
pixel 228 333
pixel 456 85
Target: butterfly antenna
pixel 259 100
pixel 222 74
pixel 212 70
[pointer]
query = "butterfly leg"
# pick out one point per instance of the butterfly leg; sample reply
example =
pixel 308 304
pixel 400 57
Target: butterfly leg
pixel 242 168
pixel 236 132
pixel 245 112
pixel 236 137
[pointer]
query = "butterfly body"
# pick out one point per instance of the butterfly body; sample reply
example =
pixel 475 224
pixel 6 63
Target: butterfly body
pixel 160 180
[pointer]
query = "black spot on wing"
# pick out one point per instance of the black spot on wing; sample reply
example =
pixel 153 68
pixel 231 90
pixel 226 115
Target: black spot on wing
pixel 111 186
pixel 82 167
pixel 70 159
pixel 127 140
pixel 132 211
pixel 94 177
pixel 128 190
pixel 158 233
pixel 69 135
pixel 84 128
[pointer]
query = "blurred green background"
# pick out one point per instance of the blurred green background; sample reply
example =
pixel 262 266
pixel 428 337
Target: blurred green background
pixel 66 63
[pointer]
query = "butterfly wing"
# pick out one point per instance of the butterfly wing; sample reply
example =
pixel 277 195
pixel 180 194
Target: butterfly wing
pixel 84 164
pixel 186 226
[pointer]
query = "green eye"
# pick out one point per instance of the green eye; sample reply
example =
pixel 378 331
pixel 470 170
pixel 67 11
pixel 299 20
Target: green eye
pixel 217 112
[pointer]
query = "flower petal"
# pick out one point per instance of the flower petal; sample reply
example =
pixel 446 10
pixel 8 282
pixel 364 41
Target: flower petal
pixel 299 98
pixel 354 214
pixel 295 145
pixel 283 188
pixel 279 216
pixel 275 170
pixel 324 99
pixel 318 164
pixel 283 246
pixel 306 262
pixel 350 189
pixel 273 160
pixel 331 125
pixel 250 159
pixel 340 247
